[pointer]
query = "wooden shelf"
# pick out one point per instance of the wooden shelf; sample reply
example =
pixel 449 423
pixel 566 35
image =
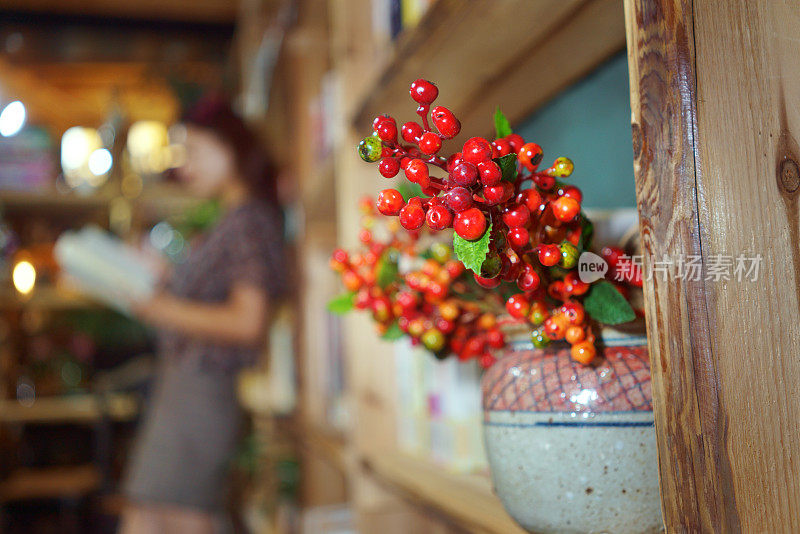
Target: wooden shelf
pixel 84 408
pixel 156 200
pixel 480 58
pixel 466 500
pixel 329 445
pixel 52 298
pixel 50 483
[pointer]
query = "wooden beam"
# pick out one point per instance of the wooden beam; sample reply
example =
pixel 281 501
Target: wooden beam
pixel 221 11
pixel 714 120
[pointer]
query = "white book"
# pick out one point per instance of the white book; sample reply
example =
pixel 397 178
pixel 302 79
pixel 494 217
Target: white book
pixel 105 268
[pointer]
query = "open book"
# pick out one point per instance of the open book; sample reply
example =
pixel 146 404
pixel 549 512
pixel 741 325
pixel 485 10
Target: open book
pixel 105 268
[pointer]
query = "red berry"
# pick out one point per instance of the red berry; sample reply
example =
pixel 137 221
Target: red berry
pixel 518 238
pixel 518 306
pixel 489 172
pixel 486 360
pixel 470 224
pixel 612 255
pixel 380 119
pixel 549 255
pixel 444 120
pixel 572 192
pixel 494 194
pixel 439 217
pixel 500 147
pixel 465 174
pixel 459 199
pixel 531 198
pixel 574 285
pixel 545 183
pixel 495 338
pixel 417 172
pixel 476 150
pixel 573 311
pixel 516 141
pixel 558 290
pixel 411 132
pixel 517 216
pixel 530 155
pixel 430 143
pixel 565 208
pixel 390 202
pixel 488 283
pixel 423 92
pixel 387 131
pixel 453 161
pixel 412 216
pixel 555 326
pixel 529 279
pixel 389 167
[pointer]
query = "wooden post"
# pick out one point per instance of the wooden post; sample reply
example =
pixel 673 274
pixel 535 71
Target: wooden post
pixel 716 111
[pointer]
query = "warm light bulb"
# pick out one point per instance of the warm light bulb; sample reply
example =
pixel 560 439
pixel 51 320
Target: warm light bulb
pixel 24 277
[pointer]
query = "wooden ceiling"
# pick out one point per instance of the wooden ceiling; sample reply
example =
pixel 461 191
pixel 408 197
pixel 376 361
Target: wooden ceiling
pixel 215 11
pixel 70 66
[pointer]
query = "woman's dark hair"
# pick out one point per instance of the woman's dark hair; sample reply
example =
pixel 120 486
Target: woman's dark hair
pixel 214 112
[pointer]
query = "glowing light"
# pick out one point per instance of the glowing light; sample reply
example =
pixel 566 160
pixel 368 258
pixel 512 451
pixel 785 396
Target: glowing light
pixel 100 161
pixel 24 277
pixel 77 144
pixel 12 119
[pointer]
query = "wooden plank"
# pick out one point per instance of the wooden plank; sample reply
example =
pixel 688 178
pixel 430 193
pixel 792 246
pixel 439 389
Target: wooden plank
pixel 517 66
pixel 466 500
pixel 70 409
pixel 49 483
pixel 714 128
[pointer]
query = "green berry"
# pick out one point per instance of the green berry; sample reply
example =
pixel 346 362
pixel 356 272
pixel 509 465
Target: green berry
pixel 569 255
pixel 370 148
pixel 540 340
pixel 433 340
pixel 441 252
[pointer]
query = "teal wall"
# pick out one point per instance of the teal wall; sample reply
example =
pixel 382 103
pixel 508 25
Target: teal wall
pixel 591 123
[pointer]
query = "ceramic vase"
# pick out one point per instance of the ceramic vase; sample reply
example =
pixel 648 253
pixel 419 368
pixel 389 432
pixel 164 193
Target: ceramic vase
pixel 572 448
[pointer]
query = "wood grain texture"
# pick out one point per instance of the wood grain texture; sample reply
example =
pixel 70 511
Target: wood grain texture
pixel 714 116
pixel 480 58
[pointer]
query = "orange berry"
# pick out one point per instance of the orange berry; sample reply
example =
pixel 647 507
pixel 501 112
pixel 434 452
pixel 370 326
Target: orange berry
pixel 575 334
pixel 487 321
pixel 555 326
pixel 583 352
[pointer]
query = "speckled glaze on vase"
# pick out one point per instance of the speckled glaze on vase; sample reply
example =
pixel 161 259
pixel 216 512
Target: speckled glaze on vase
pixel 572 448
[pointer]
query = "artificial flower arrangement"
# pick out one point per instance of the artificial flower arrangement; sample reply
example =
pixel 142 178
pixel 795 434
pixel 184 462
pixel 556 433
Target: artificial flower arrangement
pixel 517 235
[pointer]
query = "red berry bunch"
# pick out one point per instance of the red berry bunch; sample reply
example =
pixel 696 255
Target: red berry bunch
pixel 434 303
pixel 524 226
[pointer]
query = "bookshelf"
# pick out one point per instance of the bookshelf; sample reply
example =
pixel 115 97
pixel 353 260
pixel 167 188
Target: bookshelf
pixel 520 65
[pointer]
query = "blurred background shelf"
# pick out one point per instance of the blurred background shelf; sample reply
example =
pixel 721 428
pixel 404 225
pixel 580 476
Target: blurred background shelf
pixel 45 297
pixel 79 408
pixel 466 500
pixel 50 483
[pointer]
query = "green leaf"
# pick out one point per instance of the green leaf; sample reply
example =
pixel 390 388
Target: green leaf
pixel 606 305
pixel 501 125
pixel 508 166
pixel 341 304
pixel 409 189
pixel 472 253
pixel 386 270
pixel 393 332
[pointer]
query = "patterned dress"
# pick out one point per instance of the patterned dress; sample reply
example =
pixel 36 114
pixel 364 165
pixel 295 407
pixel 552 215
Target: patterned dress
pixel 191 428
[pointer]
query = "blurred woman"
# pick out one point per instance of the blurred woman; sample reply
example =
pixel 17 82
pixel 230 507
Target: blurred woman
pixel 211 320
